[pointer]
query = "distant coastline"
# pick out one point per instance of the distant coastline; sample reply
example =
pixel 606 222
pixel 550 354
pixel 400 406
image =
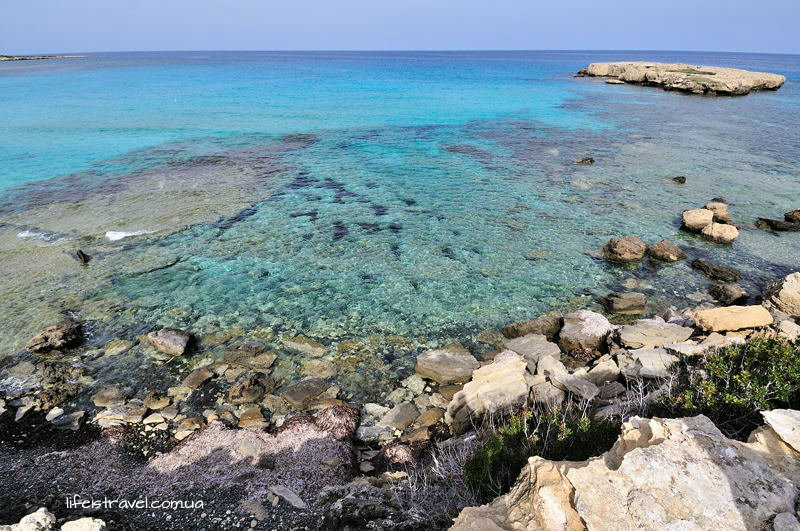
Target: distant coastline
pixel 32 57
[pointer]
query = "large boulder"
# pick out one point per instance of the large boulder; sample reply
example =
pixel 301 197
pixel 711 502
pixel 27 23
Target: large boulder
pixel 697 219
pixel 59 336
pixel 447 365
pixel 785 294
pixel 666 251
pixel 170 341
pixel 495 386
pixel 720 210
pixel 646 363
pixel 584 329
pixel 533 347
pixel 720 232
pixel 727 293
pixel 676 474
pixel 732 318
pixel 652 333
pixel 628 302
pixel 625 249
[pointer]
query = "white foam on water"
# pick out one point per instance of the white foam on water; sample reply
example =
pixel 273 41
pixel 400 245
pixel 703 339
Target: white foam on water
pixel 114 235
pixel 48 237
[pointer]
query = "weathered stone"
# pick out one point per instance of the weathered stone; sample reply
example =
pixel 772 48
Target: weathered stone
pixel 792 216
pixel 585 160
pixel 429 417
pixel 604 371
pixel 666 251
pixel 629 302
pixel 785 522
pixel 646 363
pixel 318 368
pixel 196 378
pixel 41 520
pixel 720 232
pixel 697 219
pixel 611 389
pixel 777 225
pixel 584 330
pixel 288 495
pixel 304 391
pixel 135 415
pixel 117 346
pixel 154 418
pixel 546 325
pixel 66 334
pixel 625 249
pixel 727 293
pixel 575 384
pixel 532 347
pixel 171 341
pixel 717 272
pixel 111 396
pixel 547 394
pixel 720 210
pixel 450 364
pixel 661 474
pixel 252 417
pixel 85 524
pixel 732 318
pixel 71 421
pixel 494 386
pixel 155 400
pixel 400 416
pixel 251 389
pixel 650 333
pixel 785 294
pixel 789 330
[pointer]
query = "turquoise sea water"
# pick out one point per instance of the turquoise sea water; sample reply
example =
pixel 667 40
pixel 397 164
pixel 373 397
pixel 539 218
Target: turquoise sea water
pixel 356 195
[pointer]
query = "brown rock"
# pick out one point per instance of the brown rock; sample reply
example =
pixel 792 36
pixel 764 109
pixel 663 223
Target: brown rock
pixel 793 216
pixel 717 272
pixel 197 378
pixel 250 389
pixel 625 249
pixel 666 251
pixel 625 303
pixel 727 293
pixel 732 318
pixel 546 325
pixel 65 334
pixel 304 391
pixel 170 341
pixel 449 364
pixel 155 400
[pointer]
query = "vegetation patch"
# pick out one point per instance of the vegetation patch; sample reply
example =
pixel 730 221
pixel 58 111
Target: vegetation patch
pixel 732 385
pixel 567 433
pixel 694 71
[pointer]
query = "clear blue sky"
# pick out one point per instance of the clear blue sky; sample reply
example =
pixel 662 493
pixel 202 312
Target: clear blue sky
pixel 42 26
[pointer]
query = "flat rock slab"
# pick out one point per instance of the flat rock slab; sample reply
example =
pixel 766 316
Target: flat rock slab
pixel 302 392
pixel 696 79
pixel 170 341
pixel 450 364
pixel 650 333
pixel 647 363
pixel 533 347
pixel 732 318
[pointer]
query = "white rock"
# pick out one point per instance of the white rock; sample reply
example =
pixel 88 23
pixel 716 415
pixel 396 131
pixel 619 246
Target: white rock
pixel 288 495
pixel 85 524
pixel 584 329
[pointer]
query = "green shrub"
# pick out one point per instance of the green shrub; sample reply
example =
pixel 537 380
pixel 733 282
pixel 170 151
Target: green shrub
pixel 733 384
pixel 561 434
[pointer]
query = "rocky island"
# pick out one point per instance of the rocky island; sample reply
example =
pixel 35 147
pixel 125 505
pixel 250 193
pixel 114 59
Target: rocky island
pixel 34 57
pixel 696 79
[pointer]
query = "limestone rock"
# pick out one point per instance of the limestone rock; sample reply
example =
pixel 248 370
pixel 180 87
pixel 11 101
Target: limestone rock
pixel 625 249
pixel 65 334
pixel 41 520
pixel 497 385
pixel 304 391
pixel 111 396
pixel 697 219
pixel 584 329
pixel 789 330
pixel 666 251
pixel 252 388
pixel 629 302
pixel 661 474
pixel 646 363
pixel 720 210
pixel 170 341
pixel 696 79
pixel 732 318
pixel 547 394
pixel 196 378
pixel 155 400
pixel 785 294
pixel 650 333
pixel 532 347
pixel 793 216
pixel 400 416
pixel 717 272
pixel 546 325
pixel 786 423
pixel 575 384
pixel 785 522
pixel 85 524
pixel 720 232
pixel 604 371
pixel 450 364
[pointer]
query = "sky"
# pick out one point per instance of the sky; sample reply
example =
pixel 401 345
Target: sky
pixel 62 26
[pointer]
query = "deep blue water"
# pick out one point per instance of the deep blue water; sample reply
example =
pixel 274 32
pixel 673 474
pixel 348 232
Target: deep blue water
pixel 368 194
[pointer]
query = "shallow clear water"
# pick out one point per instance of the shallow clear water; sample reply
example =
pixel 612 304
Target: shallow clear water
pixel 354 195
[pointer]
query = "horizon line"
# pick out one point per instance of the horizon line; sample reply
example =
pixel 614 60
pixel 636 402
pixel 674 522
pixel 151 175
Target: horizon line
pixel 403 51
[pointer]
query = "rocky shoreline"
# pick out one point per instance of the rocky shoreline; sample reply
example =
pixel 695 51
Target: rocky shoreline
pixel 694 79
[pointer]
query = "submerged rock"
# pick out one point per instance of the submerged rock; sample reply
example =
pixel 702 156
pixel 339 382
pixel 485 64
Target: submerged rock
pixel 546 325
pixel 660 474
pixel 171 341
pixel 65 334
pixel 727 293
pixel 717 272
pixel 585 160
pixel 651 333
pixel 777 225
pixel 630 302
pixel 625 249
pixel 666 251
pixel 732 318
